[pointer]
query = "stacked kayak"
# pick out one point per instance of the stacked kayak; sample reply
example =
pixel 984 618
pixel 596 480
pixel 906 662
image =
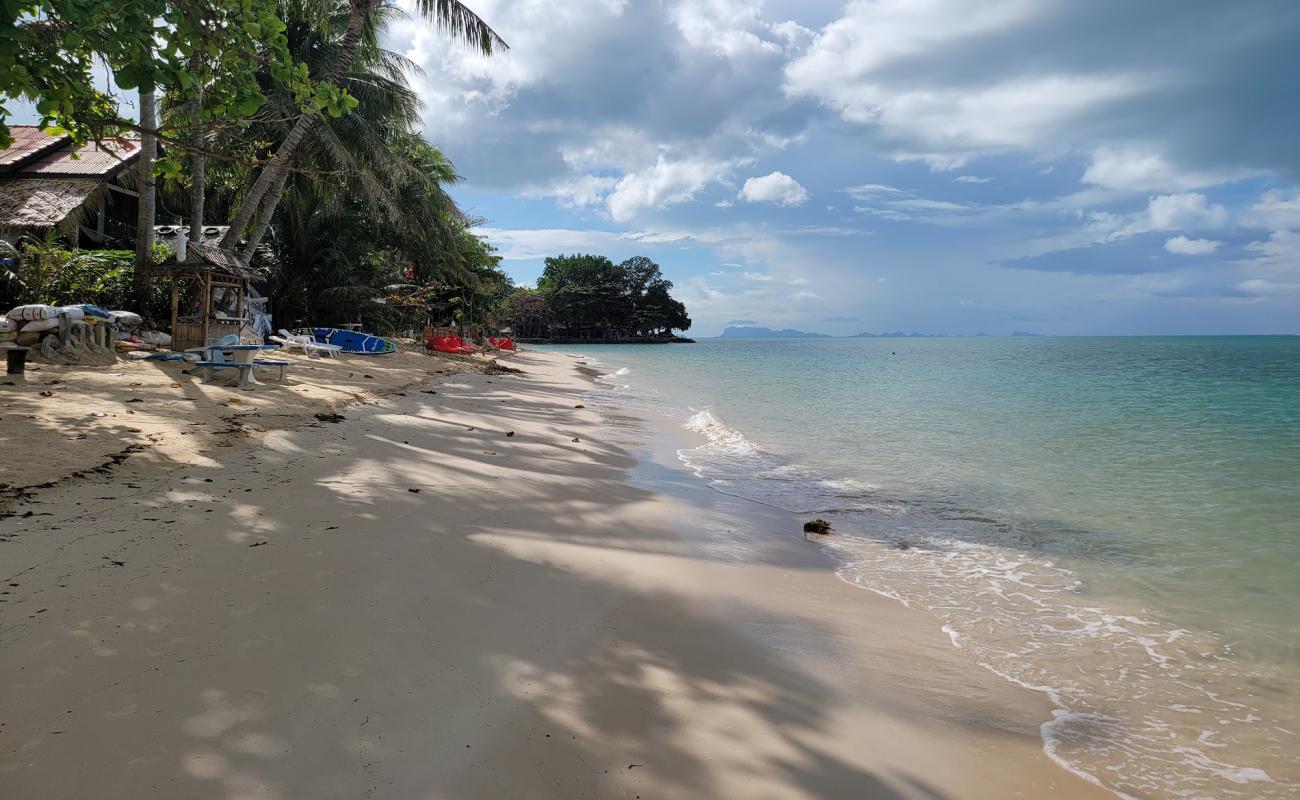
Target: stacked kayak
pixel 508 343
pixel 354 342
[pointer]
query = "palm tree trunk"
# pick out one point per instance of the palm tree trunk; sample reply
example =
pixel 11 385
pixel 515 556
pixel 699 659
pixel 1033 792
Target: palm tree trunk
pixel 146 189
pixel 198 193
pixel 265 217
pixel 198 161
pixel 361 9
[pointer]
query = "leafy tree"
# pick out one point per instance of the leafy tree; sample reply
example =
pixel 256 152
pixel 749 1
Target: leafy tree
pixel 585 293
pixel 591 297
pixel 526 312
pixel 659 313
pixel 654 311
pixel 49 50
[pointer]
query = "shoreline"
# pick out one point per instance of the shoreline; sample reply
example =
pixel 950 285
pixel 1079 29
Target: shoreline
pixel 778 527
pixel 412 603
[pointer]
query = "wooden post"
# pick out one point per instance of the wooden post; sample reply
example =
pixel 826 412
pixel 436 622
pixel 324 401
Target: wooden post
pixel 176 303
pixel 206 281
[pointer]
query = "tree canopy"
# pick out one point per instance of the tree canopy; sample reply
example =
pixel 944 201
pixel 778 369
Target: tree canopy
pixel 51 51
pixel 591 297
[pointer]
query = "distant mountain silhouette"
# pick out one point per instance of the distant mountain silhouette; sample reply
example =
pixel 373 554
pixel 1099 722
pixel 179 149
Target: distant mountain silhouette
pixel 1024 333
pixel 894 335
pixel 768 333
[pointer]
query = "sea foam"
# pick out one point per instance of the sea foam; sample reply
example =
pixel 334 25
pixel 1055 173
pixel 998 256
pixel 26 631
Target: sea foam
pixel 1116 676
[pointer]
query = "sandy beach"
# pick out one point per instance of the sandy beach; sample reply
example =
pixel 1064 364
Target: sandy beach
pixel 469 587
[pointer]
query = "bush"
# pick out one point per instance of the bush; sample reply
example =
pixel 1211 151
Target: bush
pixel 46 272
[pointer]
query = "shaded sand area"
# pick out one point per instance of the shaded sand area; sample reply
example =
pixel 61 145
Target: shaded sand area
pixel 414 603
pixel 59 420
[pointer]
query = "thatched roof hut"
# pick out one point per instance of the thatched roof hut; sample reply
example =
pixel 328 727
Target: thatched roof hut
pixel 209 291
pixel 87 192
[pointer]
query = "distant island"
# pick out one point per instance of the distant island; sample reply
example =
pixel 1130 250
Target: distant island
pixel 896 335
pixel 768 333
pixel 757 332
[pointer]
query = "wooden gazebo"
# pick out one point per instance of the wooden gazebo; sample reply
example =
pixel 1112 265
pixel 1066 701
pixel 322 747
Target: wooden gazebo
pixel 208 291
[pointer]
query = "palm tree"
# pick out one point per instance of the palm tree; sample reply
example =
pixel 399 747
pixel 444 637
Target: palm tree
pixel 355 147
pixel 451 16
pixel 146 188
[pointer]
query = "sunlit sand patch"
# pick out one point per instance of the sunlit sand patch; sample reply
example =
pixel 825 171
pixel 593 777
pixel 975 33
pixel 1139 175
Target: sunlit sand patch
pixel 262 745
pixel 220 715
pixel 205 764
pixel 323 691
pixel 144 604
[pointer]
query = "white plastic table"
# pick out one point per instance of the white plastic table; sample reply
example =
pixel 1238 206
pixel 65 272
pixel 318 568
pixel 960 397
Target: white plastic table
pixel 243 354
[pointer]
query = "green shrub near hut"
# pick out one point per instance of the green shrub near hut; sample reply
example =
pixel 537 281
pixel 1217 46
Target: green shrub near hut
pixel 44 271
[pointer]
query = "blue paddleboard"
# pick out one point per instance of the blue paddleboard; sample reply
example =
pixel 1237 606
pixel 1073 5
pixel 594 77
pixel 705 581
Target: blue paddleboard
pixel 353 342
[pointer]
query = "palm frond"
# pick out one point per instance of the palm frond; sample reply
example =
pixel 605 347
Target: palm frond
pixel 462 25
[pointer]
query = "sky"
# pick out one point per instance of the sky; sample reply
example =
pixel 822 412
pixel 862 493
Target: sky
pixel 943 166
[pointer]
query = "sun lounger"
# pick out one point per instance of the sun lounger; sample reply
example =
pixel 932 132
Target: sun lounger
pixel 308 344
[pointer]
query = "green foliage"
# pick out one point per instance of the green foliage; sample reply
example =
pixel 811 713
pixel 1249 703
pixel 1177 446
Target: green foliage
pixel 47 272
pixel 218 46
pixel 590 297
pixel 527 313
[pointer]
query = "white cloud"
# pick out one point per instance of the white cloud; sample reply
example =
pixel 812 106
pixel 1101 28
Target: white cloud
pixel 1188 211
pixel 881 65
pixel 523 244
pixel 757 276
pixel 1183 246
pixel 665 183
pixel 1275 210
pixel 902 205
pixel 775 187
pixel 804 295
pixel 867 190
pixel 586 190
pixel 731 28
pixel 1145 171
pixel 971 179
pixel 1284 244
pixel 1184 212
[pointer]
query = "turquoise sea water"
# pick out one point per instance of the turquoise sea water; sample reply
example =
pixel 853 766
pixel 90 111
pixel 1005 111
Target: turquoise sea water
pixel 1114 521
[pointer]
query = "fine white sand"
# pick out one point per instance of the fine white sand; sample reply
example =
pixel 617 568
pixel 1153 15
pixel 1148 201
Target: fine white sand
pixel 414 604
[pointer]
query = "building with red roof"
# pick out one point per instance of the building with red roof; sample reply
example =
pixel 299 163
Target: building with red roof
pixel 87 192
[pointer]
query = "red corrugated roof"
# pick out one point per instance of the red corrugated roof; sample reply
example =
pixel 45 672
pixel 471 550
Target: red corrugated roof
pixel 91 159
pixel 35 153
pixel 29 141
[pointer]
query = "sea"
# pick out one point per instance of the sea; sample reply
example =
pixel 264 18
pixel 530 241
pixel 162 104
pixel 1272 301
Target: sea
pixel 1112 521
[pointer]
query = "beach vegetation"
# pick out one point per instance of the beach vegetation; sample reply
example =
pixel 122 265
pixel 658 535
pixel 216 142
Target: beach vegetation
pixel 43 270
pixel 54 52
pixel 591 297
pixel 452 18
pixel 363 214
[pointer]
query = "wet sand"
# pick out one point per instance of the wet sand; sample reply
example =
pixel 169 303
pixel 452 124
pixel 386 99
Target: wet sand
pixel 412 603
